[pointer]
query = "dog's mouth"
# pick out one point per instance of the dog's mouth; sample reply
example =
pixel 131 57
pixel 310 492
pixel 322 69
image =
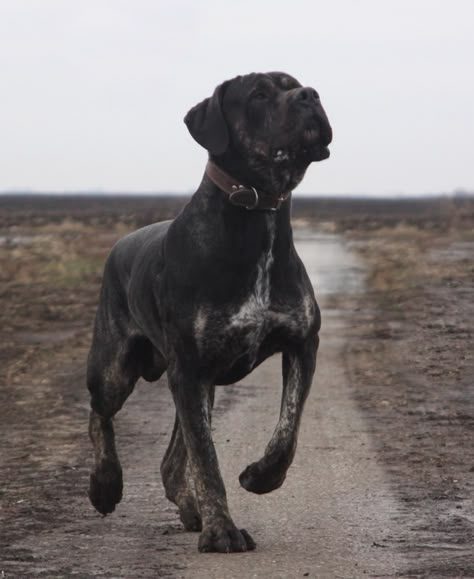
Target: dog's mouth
pixel 309 144
pixel 317 152
pixel 313 145
pixel 310 148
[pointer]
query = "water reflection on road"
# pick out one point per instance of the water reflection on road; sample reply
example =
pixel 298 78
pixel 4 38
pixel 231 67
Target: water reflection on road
pixel 331 268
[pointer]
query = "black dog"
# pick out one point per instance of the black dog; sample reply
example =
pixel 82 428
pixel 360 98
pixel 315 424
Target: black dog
pixel 209 296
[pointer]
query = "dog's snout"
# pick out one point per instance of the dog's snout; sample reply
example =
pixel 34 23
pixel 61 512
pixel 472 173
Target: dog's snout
pixel 307 94
pixel 306 103
pixel 324 126
pixel 326 131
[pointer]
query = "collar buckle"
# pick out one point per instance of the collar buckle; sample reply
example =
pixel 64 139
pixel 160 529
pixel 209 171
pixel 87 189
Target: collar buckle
pixel 241 195
pixel 244 197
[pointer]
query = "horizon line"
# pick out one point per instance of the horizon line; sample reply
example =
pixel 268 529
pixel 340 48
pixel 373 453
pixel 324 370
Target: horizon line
pixel 458 192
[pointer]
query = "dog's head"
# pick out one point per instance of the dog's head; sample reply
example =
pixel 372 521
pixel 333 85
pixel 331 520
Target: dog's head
pixel 263 129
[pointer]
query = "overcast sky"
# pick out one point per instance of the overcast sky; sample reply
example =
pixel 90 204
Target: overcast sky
pixel 93 92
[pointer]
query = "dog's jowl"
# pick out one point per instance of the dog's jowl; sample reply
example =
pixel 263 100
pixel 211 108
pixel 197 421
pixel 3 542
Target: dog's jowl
pixel 210 295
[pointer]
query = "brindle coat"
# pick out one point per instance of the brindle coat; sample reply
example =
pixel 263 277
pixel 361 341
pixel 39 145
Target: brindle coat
pixel 210 295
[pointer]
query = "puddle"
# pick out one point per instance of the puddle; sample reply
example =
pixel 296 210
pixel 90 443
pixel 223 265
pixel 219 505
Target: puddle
pixel 331 266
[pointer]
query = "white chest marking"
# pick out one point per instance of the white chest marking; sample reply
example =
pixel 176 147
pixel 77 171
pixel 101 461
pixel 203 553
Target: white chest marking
pixel 252 312
pixel 200 322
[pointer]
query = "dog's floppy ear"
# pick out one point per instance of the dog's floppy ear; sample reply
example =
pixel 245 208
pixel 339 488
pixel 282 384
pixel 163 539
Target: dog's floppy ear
pixel 207 124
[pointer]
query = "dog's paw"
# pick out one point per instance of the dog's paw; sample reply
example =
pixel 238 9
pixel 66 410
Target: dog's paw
pixel 259 480
pixel 224 537
pixel 106 485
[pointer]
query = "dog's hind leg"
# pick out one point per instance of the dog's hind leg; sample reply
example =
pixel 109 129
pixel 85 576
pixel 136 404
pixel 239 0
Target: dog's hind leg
pixel 175 472
pixel 177 483
pixel 110 380
pixel 106 483
pixel 269 472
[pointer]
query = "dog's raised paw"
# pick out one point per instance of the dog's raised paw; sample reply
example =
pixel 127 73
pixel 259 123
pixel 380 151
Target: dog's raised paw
pixel 258 480
pixel 106 486
pixel 225 538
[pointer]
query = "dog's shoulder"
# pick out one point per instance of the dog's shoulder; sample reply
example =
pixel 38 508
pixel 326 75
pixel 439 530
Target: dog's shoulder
pixel 136 246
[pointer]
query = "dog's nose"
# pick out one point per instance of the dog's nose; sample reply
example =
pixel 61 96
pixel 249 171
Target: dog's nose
pixel 307 94
pixel 308 101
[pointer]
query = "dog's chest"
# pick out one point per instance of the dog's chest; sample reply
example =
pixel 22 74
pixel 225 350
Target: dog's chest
pixel 242 327
pixel 252 313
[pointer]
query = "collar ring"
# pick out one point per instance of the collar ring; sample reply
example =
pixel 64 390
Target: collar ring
pixel 256 202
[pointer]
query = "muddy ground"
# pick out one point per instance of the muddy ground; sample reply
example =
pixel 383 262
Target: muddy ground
pixel 401 342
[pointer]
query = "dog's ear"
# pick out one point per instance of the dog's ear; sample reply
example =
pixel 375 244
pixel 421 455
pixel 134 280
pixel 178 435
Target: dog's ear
pixel 207 124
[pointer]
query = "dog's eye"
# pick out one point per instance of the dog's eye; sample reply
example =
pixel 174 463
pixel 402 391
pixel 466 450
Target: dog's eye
pixel 260 95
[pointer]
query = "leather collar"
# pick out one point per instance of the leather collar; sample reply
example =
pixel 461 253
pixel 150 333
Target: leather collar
pixel 241 195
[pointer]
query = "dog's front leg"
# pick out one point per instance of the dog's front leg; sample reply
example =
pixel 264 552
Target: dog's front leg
pixel 269 472
pixel 176 476
pixel 219 533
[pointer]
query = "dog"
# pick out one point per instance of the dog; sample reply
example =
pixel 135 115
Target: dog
pixel 210 295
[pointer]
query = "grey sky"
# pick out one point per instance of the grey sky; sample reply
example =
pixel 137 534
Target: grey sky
pixel 94 92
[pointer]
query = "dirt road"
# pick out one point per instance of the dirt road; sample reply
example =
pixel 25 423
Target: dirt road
pixel 383 478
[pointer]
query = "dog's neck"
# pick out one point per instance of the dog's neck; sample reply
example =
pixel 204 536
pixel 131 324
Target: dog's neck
pixel 244 195
pixel 239 230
